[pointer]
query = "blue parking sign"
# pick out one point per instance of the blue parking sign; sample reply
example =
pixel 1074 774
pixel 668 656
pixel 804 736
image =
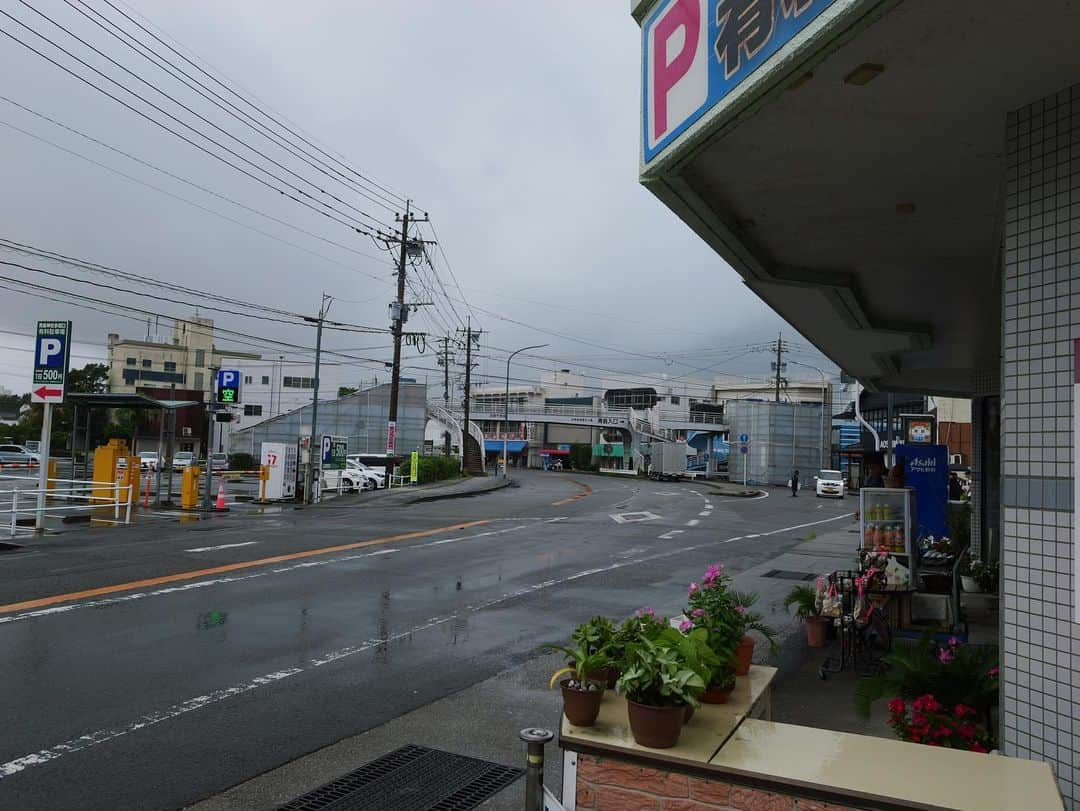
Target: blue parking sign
pixel 228 386
pixel 744 438
pixel 52 351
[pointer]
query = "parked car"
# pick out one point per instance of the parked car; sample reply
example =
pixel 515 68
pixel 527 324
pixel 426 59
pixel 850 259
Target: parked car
pixel 183 459
pixel 17 455
pixel 350 479
pixel 830 483
pixel 377 476
pixel 149 460
pixel 219 461
pixel 23 451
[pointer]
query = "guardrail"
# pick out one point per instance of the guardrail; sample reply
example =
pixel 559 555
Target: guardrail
pixel 79 493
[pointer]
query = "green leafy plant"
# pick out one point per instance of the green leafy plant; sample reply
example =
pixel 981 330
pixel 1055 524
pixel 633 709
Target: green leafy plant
pixel 588 669
pixel 953 673
pixel 694 647
pixel 804 599
pixel 596 633
pixel 724 613
pixel 644 624
pixel 659 674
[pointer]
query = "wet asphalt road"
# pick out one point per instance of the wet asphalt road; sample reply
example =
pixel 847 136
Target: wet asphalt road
pixel 161 694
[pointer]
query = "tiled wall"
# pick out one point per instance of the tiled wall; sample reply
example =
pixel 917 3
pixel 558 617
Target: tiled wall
pixel 1041 645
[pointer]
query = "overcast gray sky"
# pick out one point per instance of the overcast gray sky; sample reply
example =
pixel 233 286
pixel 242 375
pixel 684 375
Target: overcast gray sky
pixel 514 125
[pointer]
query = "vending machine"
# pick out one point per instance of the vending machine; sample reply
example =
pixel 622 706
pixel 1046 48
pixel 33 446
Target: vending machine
pixel 281 458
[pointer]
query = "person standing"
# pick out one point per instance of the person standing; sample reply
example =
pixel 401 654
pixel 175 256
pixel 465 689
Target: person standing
pixel 795 484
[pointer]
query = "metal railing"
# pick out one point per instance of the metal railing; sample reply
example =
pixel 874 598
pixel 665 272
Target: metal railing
pixel 79 494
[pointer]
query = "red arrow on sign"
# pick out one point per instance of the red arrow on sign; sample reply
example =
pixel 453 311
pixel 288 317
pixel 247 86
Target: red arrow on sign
pixel 45 392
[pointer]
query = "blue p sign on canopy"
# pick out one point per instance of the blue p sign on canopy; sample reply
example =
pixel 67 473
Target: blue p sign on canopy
pixel 228 386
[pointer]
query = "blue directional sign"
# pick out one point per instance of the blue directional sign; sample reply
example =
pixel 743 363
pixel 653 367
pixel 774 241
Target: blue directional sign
pixel 744 438
pixel 52 353
pixel 742 449
pixel 228 386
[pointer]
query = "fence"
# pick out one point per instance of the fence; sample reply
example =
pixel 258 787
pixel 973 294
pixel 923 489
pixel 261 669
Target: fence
pixel 78 495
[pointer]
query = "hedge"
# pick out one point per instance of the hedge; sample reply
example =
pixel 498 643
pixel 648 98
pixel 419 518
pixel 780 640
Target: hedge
pixel 434 468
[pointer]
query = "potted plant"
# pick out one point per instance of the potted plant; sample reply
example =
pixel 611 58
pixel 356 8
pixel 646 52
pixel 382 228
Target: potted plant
pixel 804 599
pixel 970 573
pixel 726 614
pixel 599 634
pixel 583 687
pixel 987 576
pixel 659 683
pixel 693 644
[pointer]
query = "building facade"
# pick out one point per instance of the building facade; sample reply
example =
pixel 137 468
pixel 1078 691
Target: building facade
pixel 186 362
pixel 268 388
pixel 872 172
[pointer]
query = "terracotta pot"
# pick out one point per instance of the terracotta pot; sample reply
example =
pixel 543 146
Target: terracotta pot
pixel 817 631
pixel 717 695
pixel 613 674
pixel 655 727
pixel 744 655
pixel 581 706
pixel 688 714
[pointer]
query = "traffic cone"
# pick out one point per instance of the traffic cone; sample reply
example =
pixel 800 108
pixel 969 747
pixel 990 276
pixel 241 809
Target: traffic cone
pixel 221 496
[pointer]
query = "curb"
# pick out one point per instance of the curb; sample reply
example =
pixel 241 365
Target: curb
pixel 739 494
pixel 499 484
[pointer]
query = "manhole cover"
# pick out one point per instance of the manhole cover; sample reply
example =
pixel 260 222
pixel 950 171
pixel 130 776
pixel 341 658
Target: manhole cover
pixel 786 575
pixel 412 778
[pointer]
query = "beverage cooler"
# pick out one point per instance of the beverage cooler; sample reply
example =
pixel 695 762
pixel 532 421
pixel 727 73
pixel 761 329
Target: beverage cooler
pixel 887 518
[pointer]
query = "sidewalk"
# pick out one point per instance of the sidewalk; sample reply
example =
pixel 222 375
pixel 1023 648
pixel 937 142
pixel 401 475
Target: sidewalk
pixel 433 491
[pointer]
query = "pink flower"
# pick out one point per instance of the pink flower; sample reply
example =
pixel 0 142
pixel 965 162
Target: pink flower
pixel 693 588
pixel 953 641
pixel 645 612
pixel 993 672
pixel 740 609
pixel 978 747
pixel 967 731
pixel 698 612
pixel 686 625
pixel 897 706
pixel 945 655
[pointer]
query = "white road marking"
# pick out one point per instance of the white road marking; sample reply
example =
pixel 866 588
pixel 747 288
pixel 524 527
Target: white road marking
pixel 667 536
pixel 705 513
pixel 708 504
pixel 487 534
pixel 753 536
pixel 693 522
pixel 732 540
pixel 634 517
pixel 101 736
pixel 222 546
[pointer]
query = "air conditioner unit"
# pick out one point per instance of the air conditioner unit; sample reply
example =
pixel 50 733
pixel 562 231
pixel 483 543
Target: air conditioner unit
pixel 956 459
pixel 185 431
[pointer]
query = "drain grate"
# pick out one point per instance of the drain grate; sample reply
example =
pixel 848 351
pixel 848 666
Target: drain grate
pixel 412 778
pixel 783 574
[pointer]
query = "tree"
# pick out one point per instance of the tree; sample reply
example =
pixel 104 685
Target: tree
pixel 93 378
pixel 345 391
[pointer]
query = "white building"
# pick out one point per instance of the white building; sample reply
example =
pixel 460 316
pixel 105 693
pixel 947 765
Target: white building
pixel 791 391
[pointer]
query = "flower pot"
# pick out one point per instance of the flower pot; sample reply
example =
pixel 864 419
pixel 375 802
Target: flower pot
pixel 655 727
pixel 744 655
pixel 613 674
pixel 581 706
pixel 717 695
pixel 817 630
pixel 688 714
pixel 971 584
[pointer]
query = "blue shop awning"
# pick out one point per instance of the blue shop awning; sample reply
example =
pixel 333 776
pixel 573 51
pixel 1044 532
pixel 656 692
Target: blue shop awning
pixel 512 445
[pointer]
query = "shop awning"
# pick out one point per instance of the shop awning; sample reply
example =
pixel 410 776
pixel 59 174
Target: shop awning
pixel 512 445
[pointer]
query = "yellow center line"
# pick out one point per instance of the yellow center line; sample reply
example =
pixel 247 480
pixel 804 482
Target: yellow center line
pixel 41 602
pixel 585 490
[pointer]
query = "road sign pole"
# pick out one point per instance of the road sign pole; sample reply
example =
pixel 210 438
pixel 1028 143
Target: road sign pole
pixel 43 465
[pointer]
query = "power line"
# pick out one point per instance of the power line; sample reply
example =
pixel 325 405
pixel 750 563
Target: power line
pixel 335 157
pixel 355 226
pixel 188 182
pixel 181 75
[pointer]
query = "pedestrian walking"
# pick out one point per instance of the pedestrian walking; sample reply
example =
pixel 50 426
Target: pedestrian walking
pixel 795 484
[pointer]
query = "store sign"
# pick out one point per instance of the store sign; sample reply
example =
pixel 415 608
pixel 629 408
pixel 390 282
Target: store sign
pixel 52 353
pixel 926 469
pixel 695 52
pixel 614 449
pixel 919 429
pixel 414 467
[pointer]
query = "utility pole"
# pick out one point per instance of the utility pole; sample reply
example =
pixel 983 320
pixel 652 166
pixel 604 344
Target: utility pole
pixel 471 335
pixel 211 411
pixel 779 365
pixel 314 443
pixel 444 361
pixel 399 314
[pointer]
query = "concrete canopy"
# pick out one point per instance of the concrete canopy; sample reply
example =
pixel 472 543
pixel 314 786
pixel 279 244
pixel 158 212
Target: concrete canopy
pixel 870 216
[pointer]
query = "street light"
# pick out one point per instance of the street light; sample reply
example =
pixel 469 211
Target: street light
pixel 506 403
